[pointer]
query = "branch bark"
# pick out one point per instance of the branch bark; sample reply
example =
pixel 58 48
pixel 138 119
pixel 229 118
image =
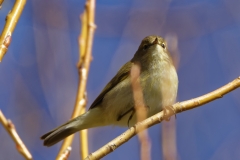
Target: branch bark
pixel 165 114
pixel 11 21
pixel 1 2
pixel 85 56
pixel 9 126
pixel 65 154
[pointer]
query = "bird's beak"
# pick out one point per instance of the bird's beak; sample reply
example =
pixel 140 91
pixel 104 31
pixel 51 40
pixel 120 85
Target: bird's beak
pixel 156 41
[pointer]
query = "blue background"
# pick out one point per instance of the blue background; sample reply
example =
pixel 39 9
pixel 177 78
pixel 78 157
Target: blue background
pixel 39 77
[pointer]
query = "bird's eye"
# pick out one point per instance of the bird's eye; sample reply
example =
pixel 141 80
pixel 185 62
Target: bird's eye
pixel 145 47
pixel 163 45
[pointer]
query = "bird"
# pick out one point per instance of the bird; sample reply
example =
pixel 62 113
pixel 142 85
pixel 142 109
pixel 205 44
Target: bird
pixel 158 80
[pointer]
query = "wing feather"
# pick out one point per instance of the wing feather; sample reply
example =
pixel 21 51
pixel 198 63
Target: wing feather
pixel 119 77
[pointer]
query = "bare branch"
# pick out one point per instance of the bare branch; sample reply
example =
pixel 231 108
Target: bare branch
pixel 1 2
pixel 85 51
pixel 65 154
pixel 168 136
pixel 169 146
pixel 141 111
pixel 165 114
pixel 9 126
pixel 11 21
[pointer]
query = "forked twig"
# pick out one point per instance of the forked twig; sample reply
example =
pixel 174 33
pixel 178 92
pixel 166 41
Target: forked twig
pixel 85 50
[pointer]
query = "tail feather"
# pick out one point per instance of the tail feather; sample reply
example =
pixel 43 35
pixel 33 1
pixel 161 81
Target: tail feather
pixel 55 129
pixel 92 118
pixel 58 135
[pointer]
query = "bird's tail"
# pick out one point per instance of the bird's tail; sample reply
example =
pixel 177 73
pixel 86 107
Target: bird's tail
pixel 92 118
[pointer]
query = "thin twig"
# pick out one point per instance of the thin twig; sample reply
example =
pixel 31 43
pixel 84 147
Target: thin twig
pixel 86 41
pixel 165 114
pixel 11 21
pixel 169 139
pixel 9 126
pixel 1 2
pixel 141 111
pixel 65 154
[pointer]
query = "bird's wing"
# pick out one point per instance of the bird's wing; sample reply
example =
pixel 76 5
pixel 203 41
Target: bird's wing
pixel 119 77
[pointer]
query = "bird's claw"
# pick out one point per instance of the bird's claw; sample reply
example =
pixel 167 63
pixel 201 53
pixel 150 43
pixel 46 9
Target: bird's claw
pixel 167 111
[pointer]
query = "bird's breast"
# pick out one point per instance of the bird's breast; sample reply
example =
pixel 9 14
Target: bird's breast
pixel 160 83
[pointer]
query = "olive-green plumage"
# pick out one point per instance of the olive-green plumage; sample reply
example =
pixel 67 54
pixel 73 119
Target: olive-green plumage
pixel 115 105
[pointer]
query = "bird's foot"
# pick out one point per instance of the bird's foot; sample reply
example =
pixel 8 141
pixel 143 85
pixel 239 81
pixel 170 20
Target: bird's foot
pixel 167 112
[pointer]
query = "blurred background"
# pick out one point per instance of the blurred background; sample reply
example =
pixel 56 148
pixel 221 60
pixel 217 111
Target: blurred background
pixel 39 77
